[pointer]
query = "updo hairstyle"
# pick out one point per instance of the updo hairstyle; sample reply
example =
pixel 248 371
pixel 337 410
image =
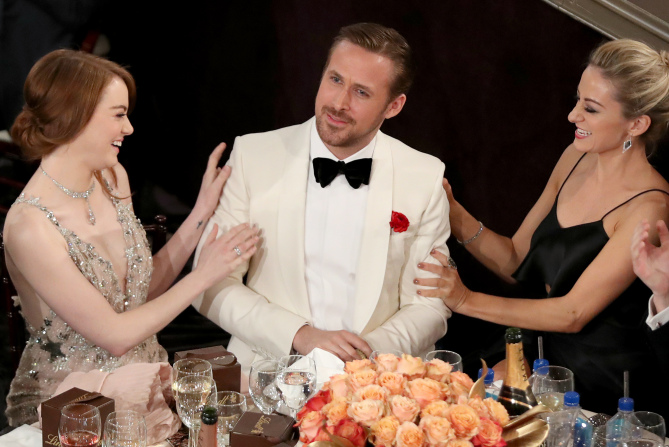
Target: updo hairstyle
pixel 61 93
pixel 640 76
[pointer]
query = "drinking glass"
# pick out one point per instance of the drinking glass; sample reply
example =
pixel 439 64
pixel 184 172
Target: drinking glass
pixel 560 427
pixel 550 384
pixel 450 357
pixel 190 367
pixel 296 381
pixel 79 425
pixel 653 425
pixel 230 406
pixel 193 393
pixel 262 385
pixel 124 428
pixel 375 354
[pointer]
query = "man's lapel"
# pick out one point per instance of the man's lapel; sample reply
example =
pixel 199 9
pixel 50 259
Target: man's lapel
pixel 290 225
pixel 376 234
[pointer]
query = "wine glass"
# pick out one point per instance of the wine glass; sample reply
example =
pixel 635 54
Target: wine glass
pixel 193 393
pixel 296 381
pixel 125 428
pixel 230 406
pixel 262 385
pixel 190 367
pixel 450 357
pixel 550 384
pixel 79 425
pixel 652 424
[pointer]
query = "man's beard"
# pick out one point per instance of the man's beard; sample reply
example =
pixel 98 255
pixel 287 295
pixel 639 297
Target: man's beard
pixel 332 136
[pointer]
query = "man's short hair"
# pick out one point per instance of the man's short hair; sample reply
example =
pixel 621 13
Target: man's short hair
pixel 386 42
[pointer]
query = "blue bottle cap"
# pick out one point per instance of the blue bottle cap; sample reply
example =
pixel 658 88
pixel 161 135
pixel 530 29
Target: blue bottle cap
pixel 538 363
pixel 626 404
pixel 571 399
pixel 489 377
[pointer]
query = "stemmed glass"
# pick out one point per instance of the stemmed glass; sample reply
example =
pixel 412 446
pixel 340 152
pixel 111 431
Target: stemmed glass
pixel 192 393
pixel 550 384
pixel 262 385
pixel 79 425
pixel 450 357
pixel 230 406
pixel 125 428
pixel 296 381
pixel 190 367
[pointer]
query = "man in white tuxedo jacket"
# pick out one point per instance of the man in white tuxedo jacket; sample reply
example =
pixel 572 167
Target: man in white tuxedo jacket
pixel 337 261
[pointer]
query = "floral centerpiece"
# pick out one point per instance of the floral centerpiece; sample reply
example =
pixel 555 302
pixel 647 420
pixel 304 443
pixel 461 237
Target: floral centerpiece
pixel 401 402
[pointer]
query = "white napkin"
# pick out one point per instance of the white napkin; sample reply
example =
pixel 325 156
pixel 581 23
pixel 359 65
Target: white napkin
pixel 23 436
pixel 327 365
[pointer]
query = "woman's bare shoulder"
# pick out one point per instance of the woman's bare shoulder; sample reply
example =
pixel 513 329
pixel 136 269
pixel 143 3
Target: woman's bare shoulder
pixel 26 226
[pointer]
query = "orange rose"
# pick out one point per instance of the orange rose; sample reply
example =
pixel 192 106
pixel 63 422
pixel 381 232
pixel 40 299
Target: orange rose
pixel 351 431
pixel 459 443
pixel 335 411
pixel 412 367
pixel 490 435
pixel 384 431
pixel 463 379
pixel 436 408
pixel 338 386
pixel 404 408
pixel 361 378
pixel 409 435
pixel 386 362
pixel 464 421
pixel 366 412
pixel 374 392
pixel 359 365
pixel 497 411
pixel 425 391
pixel 311 425
pixel 392 381
pixel 315 403
pixel 439 370
pixel 438 431
pixel 481 409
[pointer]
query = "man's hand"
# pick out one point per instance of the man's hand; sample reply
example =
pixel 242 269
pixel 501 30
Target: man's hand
pixel 651 263
pixel 341 343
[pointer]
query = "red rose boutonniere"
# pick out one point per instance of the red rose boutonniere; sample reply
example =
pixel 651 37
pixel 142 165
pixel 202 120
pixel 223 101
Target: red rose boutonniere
pixel 399 222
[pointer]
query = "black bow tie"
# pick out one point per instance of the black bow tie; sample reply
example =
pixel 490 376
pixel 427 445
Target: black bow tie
pixel 356 172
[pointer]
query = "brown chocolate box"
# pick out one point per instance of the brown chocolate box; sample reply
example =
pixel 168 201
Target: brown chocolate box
pixel 261 430
pixel 225 368
pixel 51 411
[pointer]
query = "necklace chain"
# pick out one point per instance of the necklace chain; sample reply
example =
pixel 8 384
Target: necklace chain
pixel 75 194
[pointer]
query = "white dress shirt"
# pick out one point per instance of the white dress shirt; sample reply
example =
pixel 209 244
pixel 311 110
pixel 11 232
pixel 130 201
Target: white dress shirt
pixel 334 221
pixel 656 321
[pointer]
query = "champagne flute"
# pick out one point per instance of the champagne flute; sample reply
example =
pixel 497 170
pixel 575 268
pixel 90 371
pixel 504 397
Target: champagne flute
pixel 79 425
pixel 193 393
pixel 125 428
pixel 262 385
pixel 190 367
pixel 296 381
pixel 550 384
pixel 230 406
pixel 450 357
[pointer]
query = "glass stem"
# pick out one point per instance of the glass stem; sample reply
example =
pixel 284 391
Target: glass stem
pixel 192 436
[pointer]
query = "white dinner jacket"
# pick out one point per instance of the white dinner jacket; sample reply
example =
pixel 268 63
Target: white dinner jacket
pixel 267 187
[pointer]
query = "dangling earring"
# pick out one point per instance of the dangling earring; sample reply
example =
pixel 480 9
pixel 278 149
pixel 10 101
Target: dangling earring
pixel 627 144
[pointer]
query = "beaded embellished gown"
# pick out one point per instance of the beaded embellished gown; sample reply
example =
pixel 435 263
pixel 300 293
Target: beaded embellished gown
pixel 54 350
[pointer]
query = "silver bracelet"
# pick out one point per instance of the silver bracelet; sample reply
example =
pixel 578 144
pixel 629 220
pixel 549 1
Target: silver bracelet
pixel 472 239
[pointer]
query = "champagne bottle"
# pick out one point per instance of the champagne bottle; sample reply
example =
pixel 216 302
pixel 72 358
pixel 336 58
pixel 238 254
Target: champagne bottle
pixel 516 394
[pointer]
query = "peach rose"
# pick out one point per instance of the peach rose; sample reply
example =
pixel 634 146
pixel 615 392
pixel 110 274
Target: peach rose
pixel 359 365
pixel 384 431
pixel 386 362
pixel 361 378
pixel 463 379
pixel 409 435
pixel 311 425
pixel 481 409
pixel 351 431
pixel 490 435
pixel 497 411
pixel 436 408
pixel 366 412
pixel 459 443
pixel 338 386
pixel 335 411
pixel 404 408
pixel 412 367
pixel 464 421
pixel 425 391
pixel 438 431
pixel 439 370
pixel 394 382
pixel 374 392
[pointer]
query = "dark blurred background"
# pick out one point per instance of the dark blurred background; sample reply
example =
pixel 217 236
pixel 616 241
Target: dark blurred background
pixel 496 80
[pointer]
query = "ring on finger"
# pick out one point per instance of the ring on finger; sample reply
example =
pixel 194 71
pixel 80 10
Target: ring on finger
pixel 237 250
pixel 452 264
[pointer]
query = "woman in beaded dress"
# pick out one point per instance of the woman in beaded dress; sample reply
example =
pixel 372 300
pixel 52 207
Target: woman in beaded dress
pixel 575 240
pixel 92 295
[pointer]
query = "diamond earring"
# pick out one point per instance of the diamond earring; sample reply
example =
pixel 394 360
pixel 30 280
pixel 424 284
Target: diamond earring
pixel 627 144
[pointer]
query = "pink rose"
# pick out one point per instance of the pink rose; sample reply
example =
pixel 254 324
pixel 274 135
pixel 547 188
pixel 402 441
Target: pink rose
pixel 359 365
pixel 464 421
pixel 352 432
pixel 439 370
pixel 366 412
pixel 386 362
pixel 436 408
pixel 438 431
pixel 384 431
pixel 404 408
pixel 409 435
pixel 490 435
pixel 497 411
pixel 361 378
pixel 412 367
pixel 310 426
pixel 335 411
pixel 425 391
pixel 374 392
pixel 338 386
pixel 394 382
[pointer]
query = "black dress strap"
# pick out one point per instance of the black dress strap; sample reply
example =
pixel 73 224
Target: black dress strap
pixel 567 178
pixel 634 197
